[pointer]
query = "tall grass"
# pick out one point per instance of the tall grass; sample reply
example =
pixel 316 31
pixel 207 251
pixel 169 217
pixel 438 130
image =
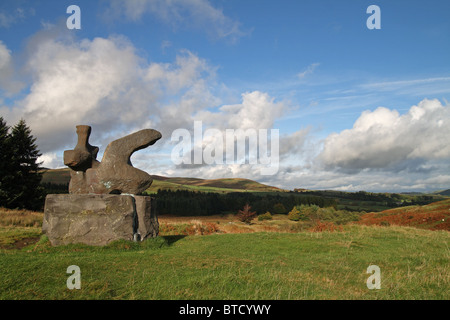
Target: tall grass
pixel 20 218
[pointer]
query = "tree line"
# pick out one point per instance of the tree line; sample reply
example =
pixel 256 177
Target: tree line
pixel 189 203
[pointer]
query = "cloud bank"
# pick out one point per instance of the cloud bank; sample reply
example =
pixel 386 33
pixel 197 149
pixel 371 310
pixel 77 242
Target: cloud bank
pixel 105 83
pixel 384 139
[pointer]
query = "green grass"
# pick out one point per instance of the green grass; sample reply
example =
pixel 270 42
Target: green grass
pixel 11 235
pixel 414 265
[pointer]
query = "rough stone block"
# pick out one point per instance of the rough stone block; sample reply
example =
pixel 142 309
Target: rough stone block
pixel 148 226
pixel 98 219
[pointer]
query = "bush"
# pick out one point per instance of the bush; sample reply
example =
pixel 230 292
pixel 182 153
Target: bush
pixel 294 214
pixel 325 226
pixel 265 216
pixel 330 214
pixel 308 212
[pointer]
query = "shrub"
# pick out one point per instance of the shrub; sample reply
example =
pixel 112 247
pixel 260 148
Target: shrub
pixel 325 226
pixel 246 215
pixel 265 216
pixel 202 228
pixel 294 214
pixel 308 212
pixel 330 214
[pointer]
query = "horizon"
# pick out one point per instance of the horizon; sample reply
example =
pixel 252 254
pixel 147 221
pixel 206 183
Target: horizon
pixel 357 109
pixel 289 190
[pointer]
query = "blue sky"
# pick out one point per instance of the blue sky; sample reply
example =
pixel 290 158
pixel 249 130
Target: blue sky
pixel 357 109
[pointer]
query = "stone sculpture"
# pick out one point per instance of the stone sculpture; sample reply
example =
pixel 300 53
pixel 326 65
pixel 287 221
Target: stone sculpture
pixel 115 174
pixel 104 202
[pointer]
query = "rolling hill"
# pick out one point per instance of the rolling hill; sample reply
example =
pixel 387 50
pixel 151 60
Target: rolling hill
pixel 433 216
pixel 56 176
pixel 62 176
pixel 443 192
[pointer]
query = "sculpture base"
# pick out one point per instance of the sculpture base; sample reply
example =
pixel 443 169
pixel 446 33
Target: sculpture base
pixel 98 219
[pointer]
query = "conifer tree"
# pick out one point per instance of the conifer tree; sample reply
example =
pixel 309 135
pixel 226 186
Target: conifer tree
pixel 5 155
pixel 23 176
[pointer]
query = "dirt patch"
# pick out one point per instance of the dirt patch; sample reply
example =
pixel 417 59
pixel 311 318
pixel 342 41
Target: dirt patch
pixel 19 244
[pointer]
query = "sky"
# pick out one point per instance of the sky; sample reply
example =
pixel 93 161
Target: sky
pixel 345 107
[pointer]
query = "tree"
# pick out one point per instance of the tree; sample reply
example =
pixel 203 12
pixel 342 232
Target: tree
pixel 5 154
pixel 294 214
pixel 246 215
pixel 20 182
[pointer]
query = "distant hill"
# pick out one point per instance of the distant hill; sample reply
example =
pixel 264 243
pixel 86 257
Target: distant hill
pixel 443 192
pixel 62 176
pixel 211 185
pixel 433 216
pixel 56 176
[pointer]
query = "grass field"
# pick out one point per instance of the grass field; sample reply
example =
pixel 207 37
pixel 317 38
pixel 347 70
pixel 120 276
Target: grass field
pixel 228 264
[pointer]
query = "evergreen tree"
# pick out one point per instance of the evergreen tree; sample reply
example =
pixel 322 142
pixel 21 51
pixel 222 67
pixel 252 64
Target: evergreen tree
pixel 23 179
pixel 5 156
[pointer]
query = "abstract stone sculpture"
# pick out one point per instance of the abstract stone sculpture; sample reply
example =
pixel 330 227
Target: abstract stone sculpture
pixel 115 174
pixel 104 204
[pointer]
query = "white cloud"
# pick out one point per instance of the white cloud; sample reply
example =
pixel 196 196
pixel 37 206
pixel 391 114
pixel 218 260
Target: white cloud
pixel 104 83
pixel 181 74
pixel 198 14
pixel 5 64
pixel 293 144
pixel 5 56
pixel 7 81
pixel 258 110
pixel 421 87
pixel 8 19
pixel 309 70
pixel 81 82
pixel 384 139
pixel 396 85
pixel 51 160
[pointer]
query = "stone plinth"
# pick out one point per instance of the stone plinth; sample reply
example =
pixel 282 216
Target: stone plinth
pixel 98 219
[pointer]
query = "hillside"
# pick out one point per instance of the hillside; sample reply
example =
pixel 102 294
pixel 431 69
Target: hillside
pixel 62 176
pixel 211 185
pixel 443 192
pixel 434 216
pixel 56 176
